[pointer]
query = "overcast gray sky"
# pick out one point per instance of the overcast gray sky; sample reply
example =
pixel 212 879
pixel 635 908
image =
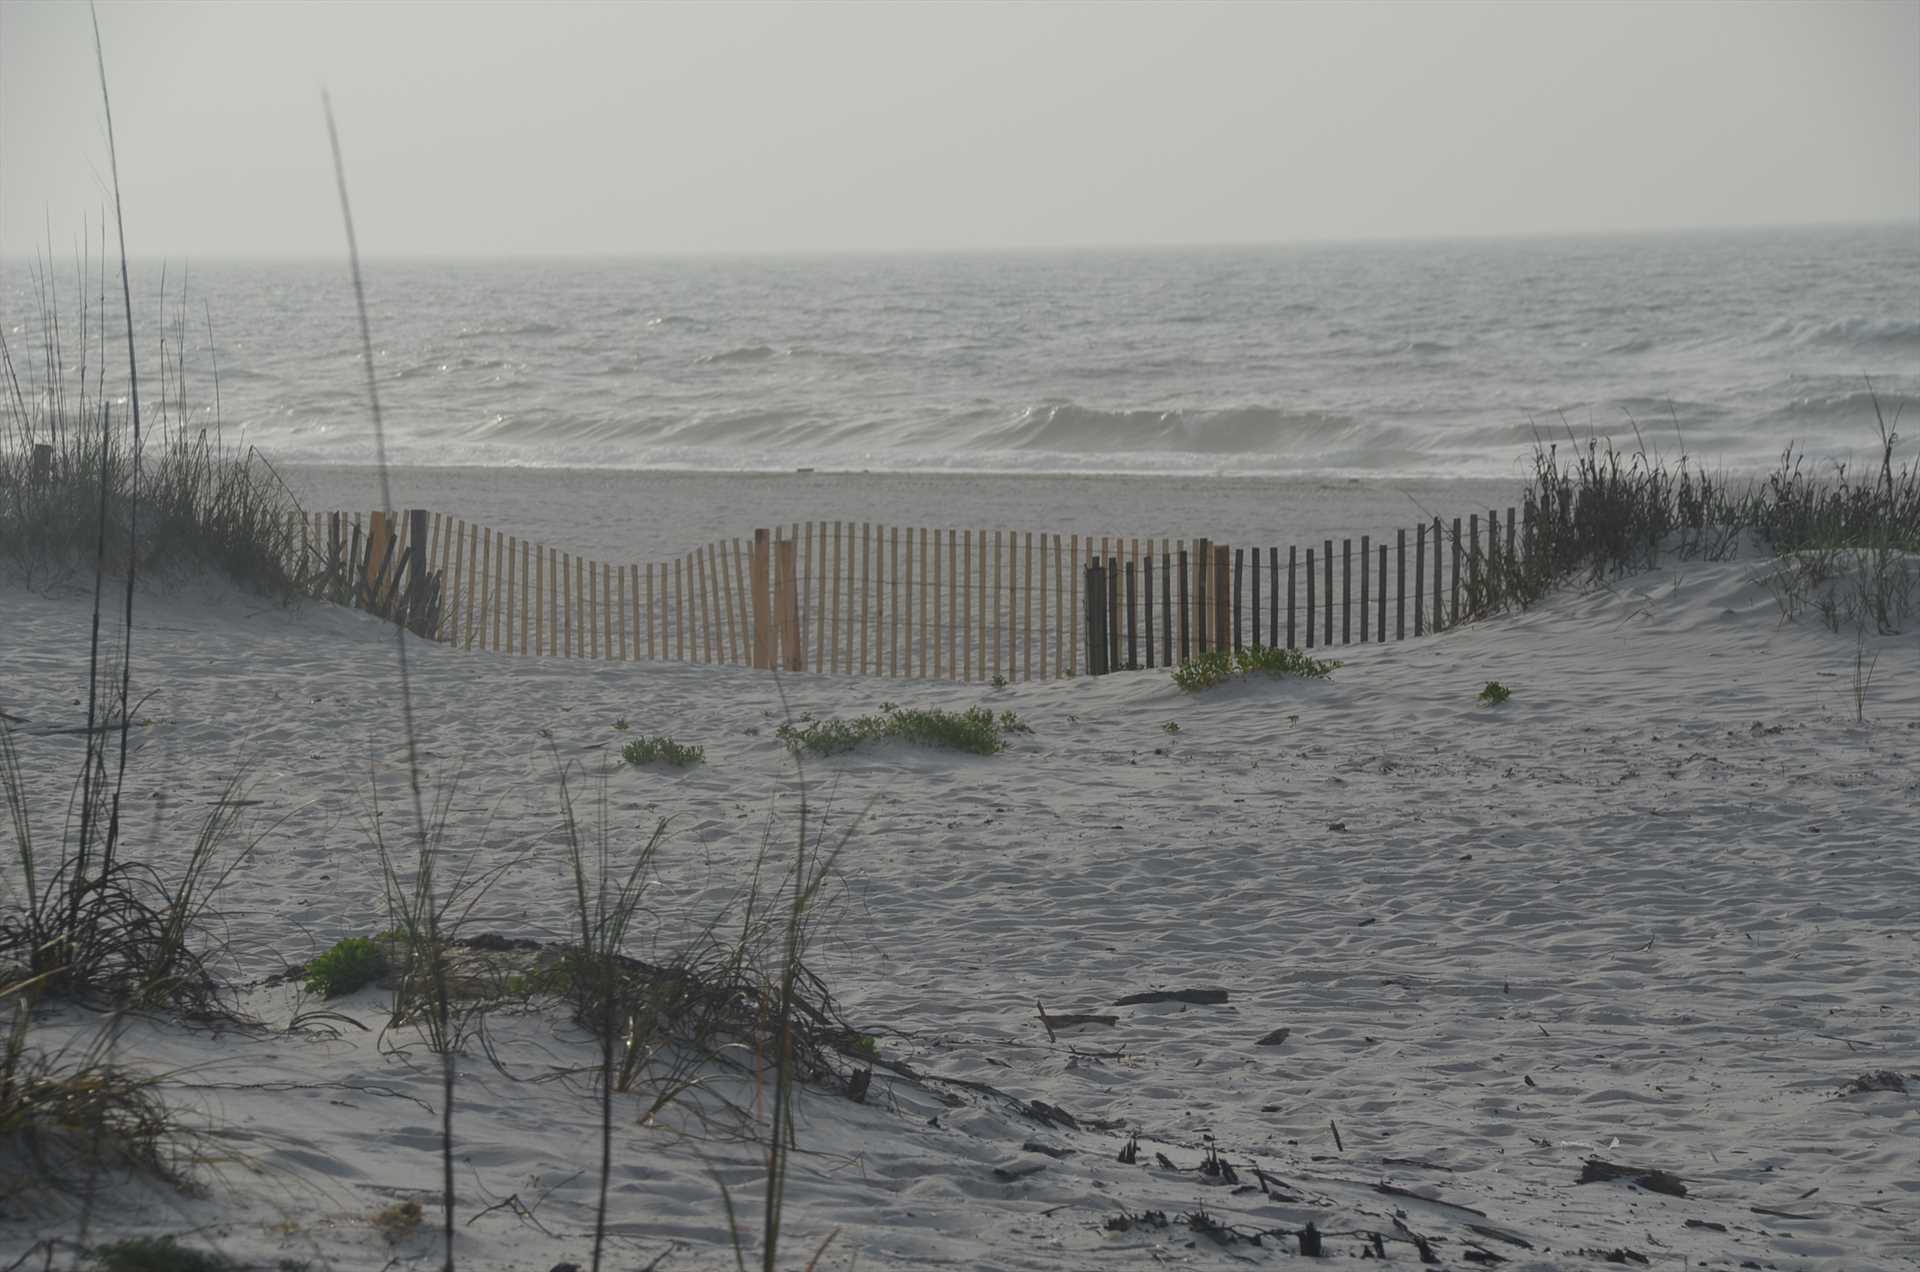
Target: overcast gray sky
pixel 502 128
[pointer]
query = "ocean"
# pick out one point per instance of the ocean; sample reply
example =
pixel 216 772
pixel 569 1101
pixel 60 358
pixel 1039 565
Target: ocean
pixel 1372 360
pixel 1389 363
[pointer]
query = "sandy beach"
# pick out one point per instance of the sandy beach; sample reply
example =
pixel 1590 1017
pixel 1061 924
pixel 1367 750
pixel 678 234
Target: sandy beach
pixel 1656 909
pixel 635 515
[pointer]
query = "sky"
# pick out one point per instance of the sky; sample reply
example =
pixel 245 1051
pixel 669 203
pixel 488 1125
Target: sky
pixel 483 130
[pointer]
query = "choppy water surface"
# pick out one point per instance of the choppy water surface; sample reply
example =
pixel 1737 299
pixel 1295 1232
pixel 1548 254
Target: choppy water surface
pixel 1376 360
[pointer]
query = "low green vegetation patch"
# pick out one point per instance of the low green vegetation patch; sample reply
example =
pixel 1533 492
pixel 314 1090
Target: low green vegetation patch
pixel 1217 666
pixel 662 747
pixel 1494 694
pixel 976 730
pixel 351 964
pixel 158 1254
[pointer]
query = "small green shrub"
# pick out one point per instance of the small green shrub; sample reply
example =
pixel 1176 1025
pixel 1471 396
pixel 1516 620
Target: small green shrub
pixel 976 730
pixel 157 1254
pixel 1218 666
pixel 351 964
pixel 1495 693
pixel 647 750
pixel 999 682
pixel 1171 726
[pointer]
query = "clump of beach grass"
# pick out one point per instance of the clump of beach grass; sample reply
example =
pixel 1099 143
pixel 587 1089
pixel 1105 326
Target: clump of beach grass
pixel 976 730
pixel 1844 545
pixel 1218 666
pixel 76 1111
pixel 662 748
pixel 79 491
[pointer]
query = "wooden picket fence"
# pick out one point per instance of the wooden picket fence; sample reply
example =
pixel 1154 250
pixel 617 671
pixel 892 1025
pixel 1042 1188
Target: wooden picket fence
pixel 906 602
pixel 1210 594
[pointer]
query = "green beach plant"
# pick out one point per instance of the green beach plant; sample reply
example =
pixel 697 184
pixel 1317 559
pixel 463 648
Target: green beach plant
pixel 976 730
pixel 352 963
pixel 1494 694
pixel 1218 666
pixel 661 747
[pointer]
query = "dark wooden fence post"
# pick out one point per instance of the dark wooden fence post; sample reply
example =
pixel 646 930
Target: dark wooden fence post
pixel 1326 566
pixel 1419 579
pixel 1255 607
pixel 1146 587
pixel 1346 591
pixel 1380 626
pixel 1096 619
pixel 1313 612
pixel 1239 565
pixel 1166 607
pixel 1366 559
pixel 1400 592
pixel 1290 594
pixel 42 463
pixel 1439 583
pixel 416 569
pixel 1202 594
pixel 1513 562
pixel 1222 597
pixel 1133 649
pixel 1474 573
pixel 1273 594
pixel 1453 615
pixel 1186 636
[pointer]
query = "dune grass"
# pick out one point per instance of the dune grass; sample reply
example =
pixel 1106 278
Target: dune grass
pixel 79 490
pixel 1844 544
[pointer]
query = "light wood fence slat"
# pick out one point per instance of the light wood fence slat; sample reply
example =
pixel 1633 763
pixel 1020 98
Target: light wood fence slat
pixel 966 605
pixel 734 645
pixel 742 603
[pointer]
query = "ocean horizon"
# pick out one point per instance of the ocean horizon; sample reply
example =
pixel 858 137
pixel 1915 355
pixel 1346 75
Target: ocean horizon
pixel 1373 359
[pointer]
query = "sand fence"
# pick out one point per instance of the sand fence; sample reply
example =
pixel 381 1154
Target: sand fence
pixel 916 602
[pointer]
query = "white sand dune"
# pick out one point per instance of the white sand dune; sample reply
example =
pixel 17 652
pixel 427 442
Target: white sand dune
pixel 1658 908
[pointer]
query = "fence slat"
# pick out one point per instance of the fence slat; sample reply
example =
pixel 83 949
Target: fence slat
pixel 1380 625
pixel 1419 578
pixel 1400 591
pixel 1366 593
pixel 1313 613
pixel 1326 565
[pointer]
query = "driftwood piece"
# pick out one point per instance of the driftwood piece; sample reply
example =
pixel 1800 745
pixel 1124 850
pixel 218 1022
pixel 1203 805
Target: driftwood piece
pixel 1599 1170
pixel 1501 1234
pixel 1393 1190
pixel 1068 1020
pixel 1197 997
pixel 1275 1038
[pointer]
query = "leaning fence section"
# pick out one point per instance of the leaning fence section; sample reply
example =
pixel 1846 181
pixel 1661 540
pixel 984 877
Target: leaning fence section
pixel 855 598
